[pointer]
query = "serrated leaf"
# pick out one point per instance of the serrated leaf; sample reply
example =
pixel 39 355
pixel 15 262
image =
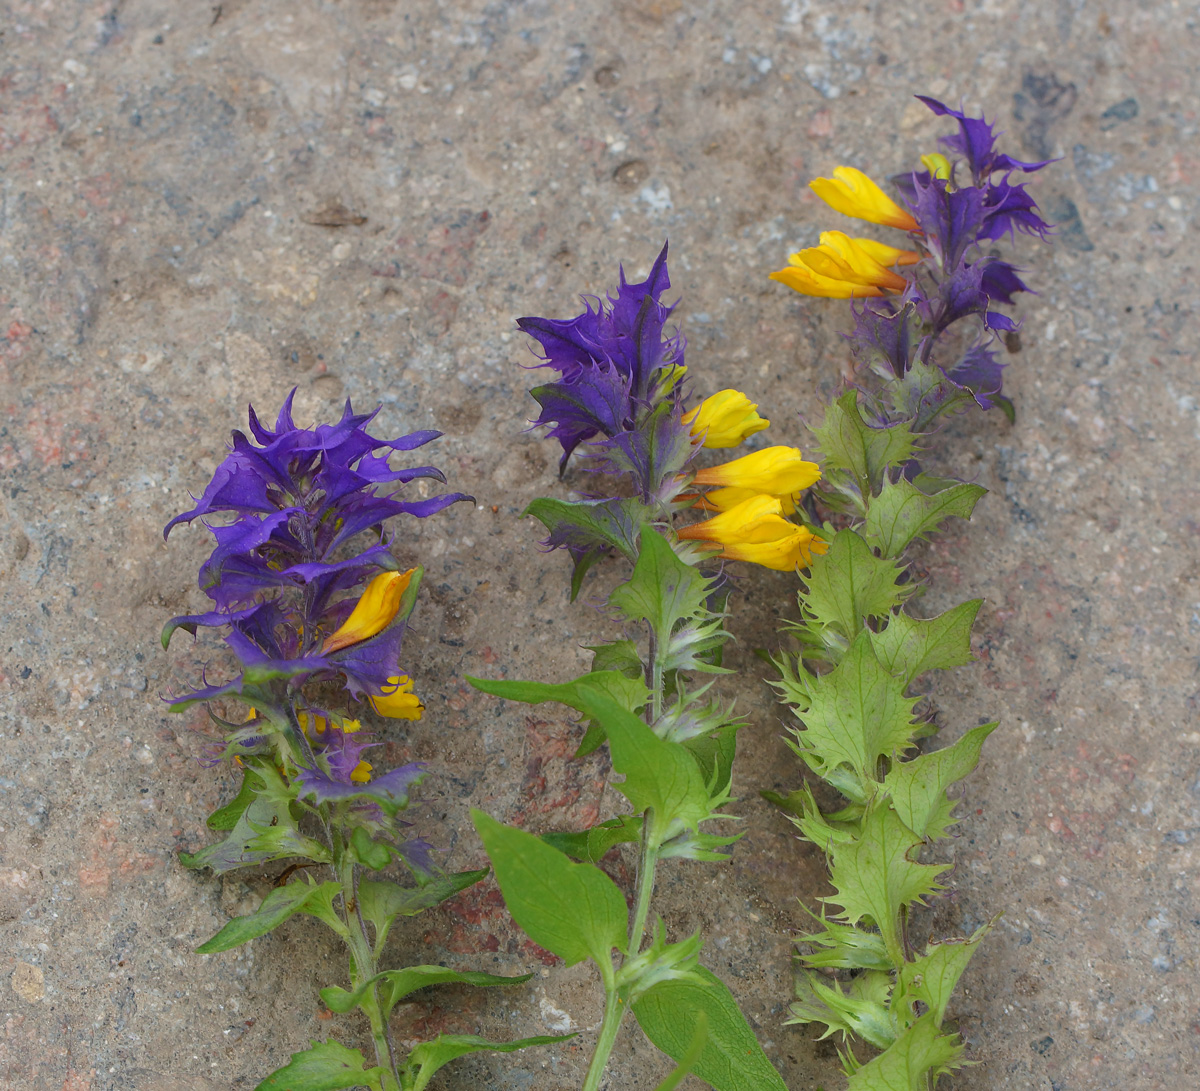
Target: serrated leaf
pixel 849 583
pixel 593 844
pixel 369 852
pixel 857 714
pixel 248 841
pixel 902 512
pixel 918 787
pixel 327 1066
pixel 714 754
pixel 617 655
pixel 629 693
pixel 732 1059
pixel 663 590
pixel 589 528
pixel 907 1064
pixel 428 1057
pixel 397 984
pixel 910 646
pixel 848 443
pixel 276 907
pixel 659 774
pixel 573 910
pixel 860 1012
pixel 225 818
pixel 844 947
pixel 876 877
pixel 932 978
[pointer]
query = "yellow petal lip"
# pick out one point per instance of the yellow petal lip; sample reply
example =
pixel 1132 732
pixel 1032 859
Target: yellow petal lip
pixel 373 612
pixel 361 773
pixel 803 280
pixel 398 702
pixel 776 471
pixel 731 496
pixel 726 419
pixel 755 531
pixel 783 554
pixel 851 192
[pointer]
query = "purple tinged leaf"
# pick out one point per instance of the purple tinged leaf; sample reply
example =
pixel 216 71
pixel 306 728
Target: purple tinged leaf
pixel 975 142
pixel 979 372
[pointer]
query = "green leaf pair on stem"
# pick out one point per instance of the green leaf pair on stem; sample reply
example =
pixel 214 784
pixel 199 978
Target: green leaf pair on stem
pixel 674 752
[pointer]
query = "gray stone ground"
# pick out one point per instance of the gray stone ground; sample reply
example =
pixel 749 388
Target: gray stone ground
pixel 164 168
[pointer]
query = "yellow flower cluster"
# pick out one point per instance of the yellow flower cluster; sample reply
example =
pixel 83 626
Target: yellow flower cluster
pixel 843 267
pixel 753 493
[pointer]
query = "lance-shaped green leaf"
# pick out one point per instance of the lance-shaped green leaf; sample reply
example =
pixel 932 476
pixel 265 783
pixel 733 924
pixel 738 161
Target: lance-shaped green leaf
pixel 327 1066
pixel 857 714
pixel 732 1059
pixel 688 1061
pixel 424 1061
pixel 844 947
pixel 276 907
pixel 573 910
pixel 876 876
pixel 225 818
pixel 918 787
pixel 848 443
pixel 932 978
pixel 395 985
pixel 849 584
pixel 594 843
pixel 659 774
pixel 910 646
pixel 902 513
pixel 909 1062
pixel 629 693
pixel 860 1011
pixel 381 901
pixel 663 590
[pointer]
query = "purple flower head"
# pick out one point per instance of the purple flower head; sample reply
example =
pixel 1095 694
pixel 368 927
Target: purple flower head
pixel 285 575
pixel 975 142
pixel 617 364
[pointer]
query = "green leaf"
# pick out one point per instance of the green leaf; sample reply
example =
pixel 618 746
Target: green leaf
pixel 688 1061
pixel 902 512
pixel 659 774
pixel 593 844
pixel 328 1066
pixel 714 755
pixel 276 907
pixel 848 443
pixel 910 646
pixel 822 1000
pixel 663 590
pixel 264 831
pixel 573 910
pixel 617 655
pixel 370 853
pixel 589 528
pixel 381 901
pixel 857 714
pixel 428 1057
pixel 904 1065
pixel 918 787
pixel 844 947
pixel 932 978
pixel 732 1059
pixel 629 693
pixel 225 818
pixel 397 984
pixel 875 876
pixel 849 583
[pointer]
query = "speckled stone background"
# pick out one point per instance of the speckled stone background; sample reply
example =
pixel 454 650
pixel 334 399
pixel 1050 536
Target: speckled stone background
pixel 167 172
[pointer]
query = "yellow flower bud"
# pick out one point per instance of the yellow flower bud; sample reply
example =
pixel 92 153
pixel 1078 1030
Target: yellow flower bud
pixel 852 192
pixel 373 612
pixel 937 165
pixel 776 471
pixel 726 419
pixel 398 702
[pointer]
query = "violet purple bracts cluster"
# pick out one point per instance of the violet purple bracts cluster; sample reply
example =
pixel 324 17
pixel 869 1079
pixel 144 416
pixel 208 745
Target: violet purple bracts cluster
pixel 902 317
pixel 620 373
pixel 308 608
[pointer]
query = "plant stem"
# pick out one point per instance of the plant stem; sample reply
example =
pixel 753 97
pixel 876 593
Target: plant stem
pixel 647 865
pixel 614 1009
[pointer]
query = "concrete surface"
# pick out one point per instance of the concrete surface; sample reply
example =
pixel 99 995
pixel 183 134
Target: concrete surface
pixel 166 177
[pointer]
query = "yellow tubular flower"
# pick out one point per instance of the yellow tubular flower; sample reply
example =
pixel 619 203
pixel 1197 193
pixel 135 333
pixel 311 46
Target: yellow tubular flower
pixel 776 471
pixel 852 192
pixel 755 531
pixel 842 267
pixel 724 499
pixel 399 702
pixel 372 613
pixel 724 420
